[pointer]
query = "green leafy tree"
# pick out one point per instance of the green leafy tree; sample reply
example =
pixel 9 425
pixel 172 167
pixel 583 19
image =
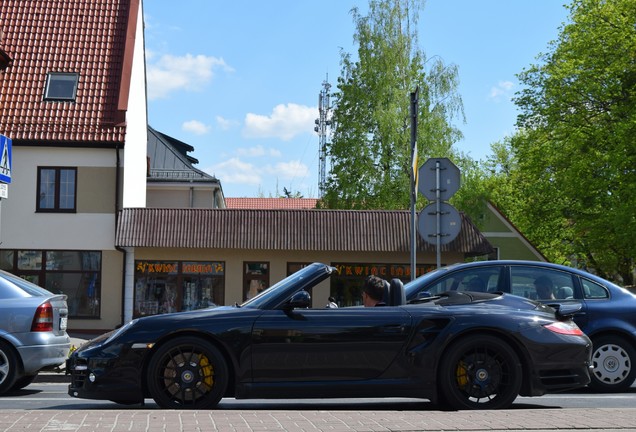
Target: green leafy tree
pixel 575 157
pixel 370 150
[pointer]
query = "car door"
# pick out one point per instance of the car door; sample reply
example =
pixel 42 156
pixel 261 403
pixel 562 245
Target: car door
pixel 353 343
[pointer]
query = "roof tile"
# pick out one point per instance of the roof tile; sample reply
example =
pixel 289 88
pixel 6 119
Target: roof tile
pixel 83 36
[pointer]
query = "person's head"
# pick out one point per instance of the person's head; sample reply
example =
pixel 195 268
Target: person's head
pixel 372 290
pixel 543 286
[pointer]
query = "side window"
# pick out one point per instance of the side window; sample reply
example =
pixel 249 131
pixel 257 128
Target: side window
pixel 541 283
pixel 475 279
pixel 592 290
pixel 56 190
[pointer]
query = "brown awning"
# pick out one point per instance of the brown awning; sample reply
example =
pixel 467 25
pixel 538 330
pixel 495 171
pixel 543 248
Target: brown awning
pixel 302 230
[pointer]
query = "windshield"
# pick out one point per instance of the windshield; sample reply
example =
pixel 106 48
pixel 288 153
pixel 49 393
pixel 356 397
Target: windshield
pixel 416 285
pixel 275 290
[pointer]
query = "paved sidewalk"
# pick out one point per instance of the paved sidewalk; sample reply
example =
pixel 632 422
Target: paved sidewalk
pixel 535 420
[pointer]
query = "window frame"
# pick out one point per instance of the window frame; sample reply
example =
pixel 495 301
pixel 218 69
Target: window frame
pixel 58 77
pixel 262 278
pixel 34 266
pixel 56 195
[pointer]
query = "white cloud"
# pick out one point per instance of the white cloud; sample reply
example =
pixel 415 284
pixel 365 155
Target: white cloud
pixel 195 127
pixel 171 73
pixel 258 151
pixel 236 171
pixel 503 88
pixel 289 170
pixel 285 122
pixel 226 124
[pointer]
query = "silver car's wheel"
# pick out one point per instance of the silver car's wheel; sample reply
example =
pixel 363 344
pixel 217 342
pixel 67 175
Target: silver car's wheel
pixel 8 367
pixel 614 364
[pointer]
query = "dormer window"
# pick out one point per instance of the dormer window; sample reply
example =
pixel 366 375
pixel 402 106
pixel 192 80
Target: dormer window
pixel 61 86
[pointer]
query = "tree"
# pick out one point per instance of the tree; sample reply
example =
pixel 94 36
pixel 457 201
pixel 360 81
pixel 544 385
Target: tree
pixel 370 150
pixel 575 154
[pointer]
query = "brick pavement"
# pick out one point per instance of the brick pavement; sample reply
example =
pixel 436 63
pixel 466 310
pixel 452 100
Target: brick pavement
pixel 535 420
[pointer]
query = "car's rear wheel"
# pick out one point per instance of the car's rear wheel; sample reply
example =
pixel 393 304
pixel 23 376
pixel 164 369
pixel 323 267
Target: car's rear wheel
pixel 187 373
pixel 8 367
pixel 614 368
pixel 479 372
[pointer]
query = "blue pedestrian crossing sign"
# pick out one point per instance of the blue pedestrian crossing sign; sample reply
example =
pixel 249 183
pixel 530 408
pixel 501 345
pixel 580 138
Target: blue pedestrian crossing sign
pixel 5 159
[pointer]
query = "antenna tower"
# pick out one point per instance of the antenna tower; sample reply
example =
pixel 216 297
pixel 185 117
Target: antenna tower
pixel 322 122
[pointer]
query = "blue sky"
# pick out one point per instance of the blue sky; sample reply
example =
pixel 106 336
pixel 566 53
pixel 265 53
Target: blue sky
pixel 239 80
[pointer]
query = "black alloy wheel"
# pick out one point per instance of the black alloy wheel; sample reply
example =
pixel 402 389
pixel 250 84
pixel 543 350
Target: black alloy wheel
pixel 479 372
pixel 187 373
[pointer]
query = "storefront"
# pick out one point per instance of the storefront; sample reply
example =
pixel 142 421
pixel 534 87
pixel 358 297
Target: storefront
pixel 346 286
pixel 174 286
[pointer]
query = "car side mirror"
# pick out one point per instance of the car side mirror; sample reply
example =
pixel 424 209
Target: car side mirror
pixel 301 299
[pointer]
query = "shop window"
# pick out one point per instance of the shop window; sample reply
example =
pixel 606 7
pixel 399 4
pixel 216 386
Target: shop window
pixel 74 273
pixel 156 285
pixel 174 286
pixel 346 286
pixel 255 278
pixel 203 285
pixel 61 86
pixel 56 190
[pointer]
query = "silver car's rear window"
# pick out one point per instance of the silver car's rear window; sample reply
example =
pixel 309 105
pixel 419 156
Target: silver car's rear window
pixel 12 286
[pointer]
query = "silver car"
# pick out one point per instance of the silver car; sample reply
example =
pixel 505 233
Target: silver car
pixel 32 331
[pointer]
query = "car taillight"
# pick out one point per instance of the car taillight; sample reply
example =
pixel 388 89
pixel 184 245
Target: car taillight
pixel 43 319
pixel 565 328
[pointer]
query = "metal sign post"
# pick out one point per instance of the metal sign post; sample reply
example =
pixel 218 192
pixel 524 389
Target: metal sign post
pixel 439 219
pixel 414 112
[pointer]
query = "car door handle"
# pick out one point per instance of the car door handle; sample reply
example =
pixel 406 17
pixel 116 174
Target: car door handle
pixel 393 328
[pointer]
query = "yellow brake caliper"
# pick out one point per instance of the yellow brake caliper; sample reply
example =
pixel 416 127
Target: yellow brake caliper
pixel 207 370
pixel 461 374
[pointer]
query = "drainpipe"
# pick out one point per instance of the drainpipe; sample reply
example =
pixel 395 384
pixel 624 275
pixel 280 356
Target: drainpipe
pixel 123 251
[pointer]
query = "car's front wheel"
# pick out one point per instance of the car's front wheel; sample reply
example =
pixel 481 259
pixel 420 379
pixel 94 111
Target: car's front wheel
pixel 614 368
pixel 187 373
pixel 479 372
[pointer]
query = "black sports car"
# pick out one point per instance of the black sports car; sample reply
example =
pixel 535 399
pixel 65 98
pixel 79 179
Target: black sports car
pixel 461 350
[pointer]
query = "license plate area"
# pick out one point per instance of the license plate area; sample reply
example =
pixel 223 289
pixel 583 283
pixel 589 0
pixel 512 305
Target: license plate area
pixel 63 323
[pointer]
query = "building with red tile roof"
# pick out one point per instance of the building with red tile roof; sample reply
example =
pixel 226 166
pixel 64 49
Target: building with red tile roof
pixel 271 203
pixel 72 100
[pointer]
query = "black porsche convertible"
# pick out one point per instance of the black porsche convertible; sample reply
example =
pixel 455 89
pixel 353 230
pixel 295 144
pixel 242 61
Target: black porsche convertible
pixel 460 350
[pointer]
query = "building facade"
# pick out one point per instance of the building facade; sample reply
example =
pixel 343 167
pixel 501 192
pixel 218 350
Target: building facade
pixel 73 103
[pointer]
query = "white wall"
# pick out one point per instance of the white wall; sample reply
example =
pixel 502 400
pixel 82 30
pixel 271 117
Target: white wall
pixel 135 165
pixel 22 228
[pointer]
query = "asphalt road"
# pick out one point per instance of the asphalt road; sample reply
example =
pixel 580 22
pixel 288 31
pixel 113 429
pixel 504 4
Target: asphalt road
pixel 53 396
